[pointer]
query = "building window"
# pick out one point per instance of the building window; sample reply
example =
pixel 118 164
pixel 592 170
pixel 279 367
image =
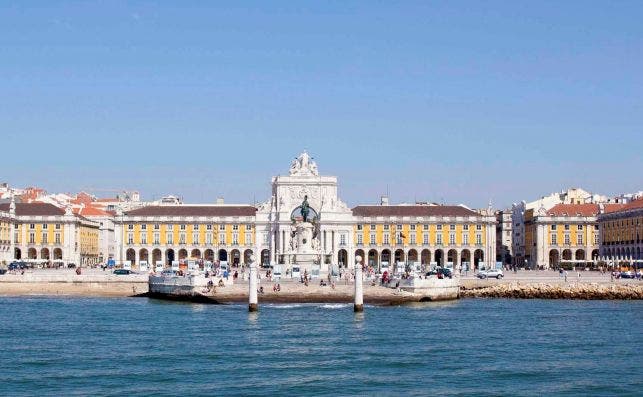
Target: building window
pixel 195 238
pixel 412 238
pixel 596 239
pixel 554 239
pixel 386 239
pixel 156 226
pixel 372 238
pixel 425 227
pixel 465 227
pixel 360 239
pixel 465 239
pixel 342 239
pixel 45 226
pixel 553 227
pixel 44 238
pixel 235 238
pixel 399 238
pixel 478 227
pixel 143 227
pixel 360 227
pixel 170 227
pixel 386 227
pixel 222 238
pixel 221 227
pixel 479 239
pixel 439 227
pixel 235 227
pixel 372 227
pixel 413 227
pixel 182 237
pixel 143 238
pixel 439 239
pixel 567 239
pixel 579 239
pixel 157 238
pixel 130 238
pixel 32 226
pixel 579 227
pixel 248 239
pixel 398 227
pixel 169 238
pixel 57 238
pixel 182 227
pixel 451 238
pixel 425 239
pixel 452 227
pixel 208 238
pixel 208 227
pixel 566 227
pixel 248 227
pixel 57 226
pixel 130 227
pixel 266 239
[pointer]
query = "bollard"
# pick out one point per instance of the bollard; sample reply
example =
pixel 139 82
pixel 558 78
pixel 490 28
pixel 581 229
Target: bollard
pixel 359 290
pixel 252 293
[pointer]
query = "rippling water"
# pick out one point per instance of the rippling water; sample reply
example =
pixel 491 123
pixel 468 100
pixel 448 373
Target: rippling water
pixel 470 347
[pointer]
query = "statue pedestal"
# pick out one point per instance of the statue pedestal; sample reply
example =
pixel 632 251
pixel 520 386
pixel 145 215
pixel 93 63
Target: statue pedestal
pixel 305 256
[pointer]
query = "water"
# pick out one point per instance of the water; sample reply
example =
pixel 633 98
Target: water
pixel 56 346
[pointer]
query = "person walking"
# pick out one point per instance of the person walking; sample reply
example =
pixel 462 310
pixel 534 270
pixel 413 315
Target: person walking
pixel 565 273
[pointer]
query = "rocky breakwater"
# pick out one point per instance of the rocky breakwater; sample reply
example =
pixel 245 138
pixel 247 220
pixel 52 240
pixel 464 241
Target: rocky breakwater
pixel 554 291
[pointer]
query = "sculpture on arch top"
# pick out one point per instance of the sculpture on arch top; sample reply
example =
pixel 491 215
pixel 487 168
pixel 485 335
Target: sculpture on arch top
pixel 303 165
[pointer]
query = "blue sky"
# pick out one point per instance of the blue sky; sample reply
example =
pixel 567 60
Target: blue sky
pixel 455 101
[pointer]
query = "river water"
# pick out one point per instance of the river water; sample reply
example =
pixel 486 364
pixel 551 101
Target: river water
pixel 94 346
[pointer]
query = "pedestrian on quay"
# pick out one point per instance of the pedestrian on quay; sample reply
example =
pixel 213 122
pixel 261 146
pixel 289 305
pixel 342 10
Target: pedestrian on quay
pixel 565 273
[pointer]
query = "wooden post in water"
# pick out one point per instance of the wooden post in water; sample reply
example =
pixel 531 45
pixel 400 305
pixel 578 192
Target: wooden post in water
pixel 359 289
pixel 252 293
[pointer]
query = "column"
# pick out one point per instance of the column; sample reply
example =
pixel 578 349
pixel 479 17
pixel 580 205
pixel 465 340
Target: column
pixel 252 286
pixel 359 289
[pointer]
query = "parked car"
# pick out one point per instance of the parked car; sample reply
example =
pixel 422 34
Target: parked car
pixel 71 265
pixel 122 271
pixel 3 271
pixel 440 272
pixel 491 273
pixel 18 265
pixel 628 274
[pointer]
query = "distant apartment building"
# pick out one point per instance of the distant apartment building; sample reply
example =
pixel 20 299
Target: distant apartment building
pixel 622 232
pixel 504 237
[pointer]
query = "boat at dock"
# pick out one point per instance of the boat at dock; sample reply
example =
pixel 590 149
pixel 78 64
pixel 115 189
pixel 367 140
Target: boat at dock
pixel 176 285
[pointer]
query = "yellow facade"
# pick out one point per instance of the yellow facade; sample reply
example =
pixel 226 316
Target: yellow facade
pixel 148 231
pixel 621 230
pixel 40 233
pixel 382 229
pixel 88 239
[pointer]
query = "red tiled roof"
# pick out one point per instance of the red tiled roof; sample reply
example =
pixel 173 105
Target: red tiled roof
pixel 194 210
pixel 632 205
pixel 412 210
pixel 107 200
pixel 574 210
pixel 613 207
pixel 90 211
pixel 34 209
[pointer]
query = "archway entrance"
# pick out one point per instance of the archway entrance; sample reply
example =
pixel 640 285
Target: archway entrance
pixel 143 255
pixel 265 257
pixel 399 256
pixel 130 256
pixel 246 256
pixel 439 257
pixel 17 253
pixel 223 255
pixel 236 257
pixel 567 255
pixel 465 259
pixel 31 253
pixel 44 254
pixel 452 256
pixel 156 256
pixel 386 256
pixel 554 258
pixel 413 256
pixel 342 258
pixel 58 254
pixel 209 255
pixel 195 254
pixel 372 259
pixel 580 255
pixel 170 256
pixel 183 253
pixel 478 256
pixel 425 257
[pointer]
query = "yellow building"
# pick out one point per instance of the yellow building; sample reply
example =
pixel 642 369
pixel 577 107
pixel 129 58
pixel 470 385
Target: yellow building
pixel 567 233
pixel 168 233
pixel 7 220
pixel 622 232
pixel 46 234
pixel 425 234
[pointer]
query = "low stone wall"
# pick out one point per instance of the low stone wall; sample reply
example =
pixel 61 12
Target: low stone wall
pixel 549 291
